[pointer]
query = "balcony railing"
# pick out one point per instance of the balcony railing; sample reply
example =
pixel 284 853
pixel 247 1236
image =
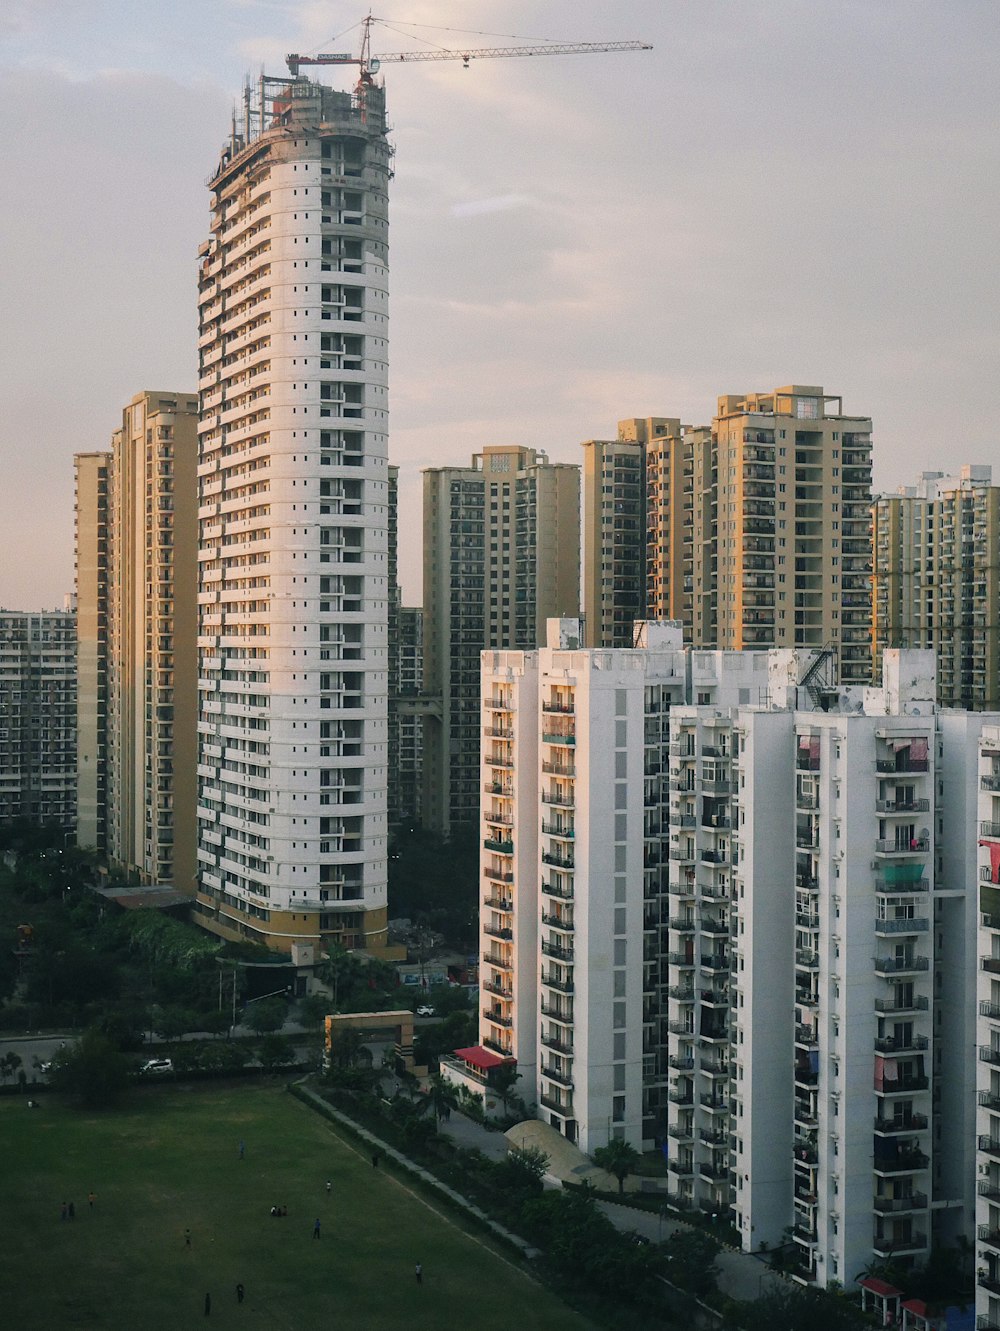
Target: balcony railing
pixel 561 1107
pixel 908 1163
pixel 553 1074
pixel 899 965
pixel 902 806
pixel 917 924
pixel 554 950
pixel 554 982
pixel 917 1201
pixel 918 1003
pixel 891 1044
pixel 553 890
pixel 914 1123
pixel 497 1017
pixel 909 846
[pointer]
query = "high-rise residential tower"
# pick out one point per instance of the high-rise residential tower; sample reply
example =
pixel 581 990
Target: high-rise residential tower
pixel 293 578
pixel 501 556
pixel 38 716
pixel 792 536
pixel 615 531
pixel 937 580
pixel 136 562
pixel 91 528
pixel 755 533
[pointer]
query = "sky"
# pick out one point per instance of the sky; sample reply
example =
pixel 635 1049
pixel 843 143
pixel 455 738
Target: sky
pixel 781 191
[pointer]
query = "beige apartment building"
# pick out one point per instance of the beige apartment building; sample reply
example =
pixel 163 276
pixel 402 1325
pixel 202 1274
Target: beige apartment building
pixel 501 556
pixel 754 533
pixel 294 518
pixel 136 561
pixel 614 530
pixel 90 531
pixel 793 536
pixel 937 580
pixel 680 517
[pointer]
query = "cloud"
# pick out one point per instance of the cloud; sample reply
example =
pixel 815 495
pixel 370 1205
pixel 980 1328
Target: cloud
pixel 503 203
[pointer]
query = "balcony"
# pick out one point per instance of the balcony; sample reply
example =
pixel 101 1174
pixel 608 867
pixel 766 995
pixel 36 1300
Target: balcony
pixel 554 982
pixel 682 924
pixel 916 1003
pixel 681 1064
pixel 680 1095
pixel 497 874
pixel 916 1201
pixel 558 708
pixel 989 1055
pixel 806 1035
pixel 557 922
pixel 498 1017
pixel 902 806
pixel 886 1245
pixel 893 1126
pixel 553 1074
pixel 558 861
pixel 562 1107
pixel 499 903
pixel 682 1132
pixel 558 798
pixel 494 931
pixel 501 847
pixel 553 1042
pixel 559 769
pixel 899 846
pixel 807 959
pixel 682 1168
pixel 557 830
pixel 913 924
pixel 500 990
pixel 910 1162
pixel 891 1044
pixel 555 950
pixel 903 1085
pixel 555 737
pixel 897 767
pixel 899 965
pixel 554 890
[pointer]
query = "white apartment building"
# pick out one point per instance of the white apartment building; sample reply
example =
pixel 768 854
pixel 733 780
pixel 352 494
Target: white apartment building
pixel 293 579
pixel 574 872
pixel 820 965
pixel 988 1038
pixel 38 716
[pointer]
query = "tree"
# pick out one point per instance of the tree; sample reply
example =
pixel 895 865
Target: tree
pixel 442 1096
pixel 266 1015
pixel 502 1080
pixel 9 1065
pixel 274 1053
pixel 92 1071
pixel 692 1265
pixel 618 1158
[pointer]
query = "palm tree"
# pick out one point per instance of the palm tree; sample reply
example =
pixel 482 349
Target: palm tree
pixel 442 1096
pixel 502 1081
pixel 618 1158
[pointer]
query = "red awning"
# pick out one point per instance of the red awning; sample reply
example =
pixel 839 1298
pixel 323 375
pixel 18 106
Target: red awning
pixel 916 1306
pixel 479 1057
pixel 880 1287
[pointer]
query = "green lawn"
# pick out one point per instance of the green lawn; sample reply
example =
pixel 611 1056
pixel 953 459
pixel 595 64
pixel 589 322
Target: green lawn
pixel 169 1161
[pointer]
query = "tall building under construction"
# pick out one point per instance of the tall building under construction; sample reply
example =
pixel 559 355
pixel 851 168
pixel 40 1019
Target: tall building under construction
pixel 293 490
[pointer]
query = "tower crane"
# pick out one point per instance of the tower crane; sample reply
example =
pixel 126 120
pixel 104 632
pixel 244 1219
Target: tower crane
pixel 369 64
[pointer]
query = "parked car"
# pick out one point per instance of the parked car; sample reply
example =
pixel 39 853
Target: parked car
pixel 425 1010
pixel 157 1067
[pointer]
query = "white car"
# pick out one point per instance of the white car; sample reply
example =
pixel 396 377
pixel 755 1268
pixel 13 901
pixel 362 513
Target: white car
pixel 157 1067
pixel 425 1010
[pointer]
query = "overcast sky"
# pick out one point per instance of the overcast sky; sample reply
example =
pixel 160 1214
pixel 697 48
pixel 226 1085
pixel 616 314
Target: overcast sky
pixel 781 191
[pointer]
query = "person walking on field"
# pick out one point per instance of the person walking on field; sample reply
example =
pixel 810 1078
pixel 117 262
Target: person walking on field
pixel 239 1293
pixel 208 1305
pixel 419 1272
pixel 316 1229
